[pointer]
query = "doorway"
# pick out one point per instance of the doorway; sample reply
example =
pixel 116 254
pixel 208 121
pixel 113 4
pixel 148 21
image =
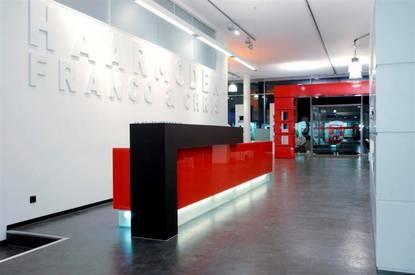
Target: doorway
pixel 337 129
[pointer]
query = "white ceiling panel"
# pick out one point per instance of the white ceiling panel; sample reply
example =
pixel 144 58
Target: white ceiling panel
pixel 287 42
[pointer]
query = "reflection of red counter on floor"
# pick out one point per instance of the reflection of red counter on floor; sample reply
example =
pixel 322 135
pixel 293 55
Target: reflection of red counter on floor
pixel 201 172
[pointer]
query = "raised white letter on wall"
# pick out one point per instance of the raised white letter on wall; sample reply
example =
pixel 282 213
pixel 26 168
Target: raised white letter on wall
pixel 42 20
pixel 37 68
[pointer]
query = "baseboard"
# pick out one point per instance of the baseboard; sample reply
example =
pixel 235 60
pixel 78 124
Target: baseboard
pixel 53 215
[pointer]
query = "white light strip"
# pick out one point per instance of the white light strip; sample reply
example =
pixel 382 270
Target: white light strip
pixel 124 218
pixel 172 19
pixel 201 207
pixel 246 64
pixel 164 16
pixel 213 45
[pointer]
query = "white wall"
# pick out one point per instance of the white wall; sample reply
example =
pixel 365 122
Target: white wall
pixel 393 131
pixel 59 127
pixel 2 190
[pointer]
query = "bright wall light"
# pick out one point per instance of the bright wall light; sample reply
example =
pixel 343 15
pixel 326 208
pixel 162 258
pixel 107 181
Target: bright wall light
pixel 213 45
pixel 164 16
pixel 232 88
pixel 246 64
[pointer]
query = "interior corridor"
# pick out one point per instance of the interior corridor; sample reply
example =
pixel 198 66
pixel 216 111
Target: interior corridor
pixel 312 218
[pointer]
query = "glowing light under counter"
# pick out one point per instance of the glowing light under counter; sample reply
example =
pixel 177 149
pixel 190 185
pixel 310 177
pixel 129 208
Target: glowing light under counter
pixel 201 207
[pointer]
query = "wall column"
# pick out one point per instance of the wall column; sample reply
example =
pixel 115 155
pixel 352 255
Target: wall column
pixel 2 116
pixel 247 108
pixel 392 131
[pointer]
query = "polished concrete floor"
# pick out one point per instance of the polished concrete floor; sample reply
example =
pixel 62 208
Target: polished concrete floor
pixel 313 217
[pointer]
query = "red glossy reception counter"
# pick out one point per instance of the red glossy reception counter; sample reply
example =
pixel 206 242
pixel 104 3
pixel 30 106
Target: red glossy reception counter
pixel 201 174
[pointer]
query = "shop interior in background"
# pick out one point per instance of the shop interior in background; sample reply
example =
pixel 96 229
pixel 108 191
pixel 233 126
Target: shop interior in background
pixel 325 125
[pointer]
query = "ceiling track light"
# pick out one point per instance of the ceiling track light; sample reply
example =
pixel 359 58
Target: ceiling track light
pixel 249 43
pixel 184 26
pixel 235 27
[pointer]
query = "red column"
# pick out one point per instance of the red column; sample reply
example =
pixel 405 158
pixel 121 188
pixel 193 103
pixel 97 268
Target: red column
pixel 284 127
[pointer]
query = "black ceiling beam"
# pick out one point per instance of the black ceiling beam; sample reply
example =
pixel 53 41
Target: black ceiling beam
pixel 321 37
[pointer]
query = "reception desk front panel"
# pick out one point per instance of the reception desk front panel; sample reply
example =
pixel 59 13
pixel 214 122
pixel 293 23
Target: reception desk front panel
pixel 204 172
pixel 201 172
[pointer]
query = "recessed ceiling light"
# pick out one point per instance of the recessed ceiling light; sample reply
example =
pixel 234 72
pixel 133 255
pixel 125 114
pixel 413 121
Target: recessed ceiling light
pixel 236 32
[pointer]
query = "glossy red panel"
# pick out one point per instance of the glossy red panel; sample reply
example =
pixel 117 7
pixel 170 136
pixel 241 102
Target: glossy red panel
pixel 203 172
pixel 323 89
pixel 285 103
pixel 121 178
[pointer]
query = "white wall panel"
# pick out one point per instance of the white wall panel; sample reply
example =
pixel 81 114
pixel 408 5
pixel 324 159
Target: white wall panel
pixel 58 142
pixel 395 32
pixel 2 189
pixel 395 236
pixel 395 98
pixel 395 166
pixel 393 132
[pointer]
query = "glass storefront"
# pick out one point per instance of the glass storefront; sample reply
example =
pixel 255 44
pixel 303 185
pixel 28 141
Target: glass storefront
pixel 336 129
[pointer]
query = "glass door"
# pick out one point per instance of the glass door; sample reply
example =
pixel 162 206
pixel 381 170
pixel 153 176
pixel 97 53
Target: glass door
pixel 336 129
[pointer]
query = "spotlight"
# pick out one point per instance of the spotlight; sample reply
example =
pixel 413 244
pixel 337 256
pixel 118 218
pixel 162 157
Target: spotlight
pixel 249 43
pixel 248 40
pixel 236 32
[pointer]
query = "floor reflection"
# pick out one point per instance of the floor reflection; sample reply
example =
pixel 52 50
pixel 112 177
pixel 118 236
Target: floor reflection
pixel 191 233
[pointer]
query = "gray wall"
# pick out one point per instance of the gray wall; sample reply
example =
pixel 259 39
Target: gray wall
pixel 130 17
